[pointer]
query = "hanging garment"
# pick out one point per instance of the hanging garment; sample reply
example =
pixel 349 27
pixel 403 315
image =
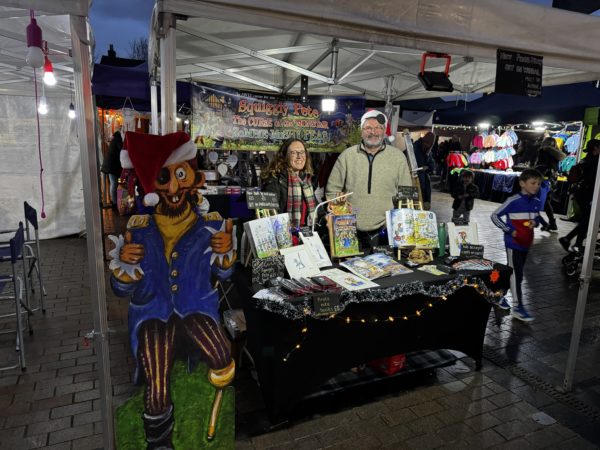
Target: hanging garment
pixel 572 143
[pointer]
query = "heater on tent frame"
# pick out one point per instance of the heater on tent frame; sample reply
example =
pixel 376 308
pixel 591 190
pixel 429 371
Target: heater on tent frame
pixel 435 81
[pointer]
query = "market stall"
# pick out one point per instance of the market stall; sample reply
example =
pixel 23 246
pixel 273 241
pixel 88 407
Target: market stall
pixel 296 350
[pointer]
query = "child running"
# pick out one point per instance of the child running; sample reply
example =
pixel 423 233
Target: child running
pixel 522 215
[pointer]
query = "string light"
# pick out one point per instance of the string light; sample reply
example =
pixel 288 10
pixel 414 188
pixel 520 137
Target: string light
pixel 477 284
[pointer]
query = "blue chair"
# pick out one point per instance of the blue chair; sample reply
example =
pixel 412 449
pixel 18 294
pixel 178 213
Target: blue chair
pixel 34 257
pixel 14 297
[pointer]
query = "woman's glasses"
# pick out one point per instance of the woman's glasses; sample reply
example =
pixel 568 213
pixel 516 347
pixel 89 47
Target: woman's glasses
pixel 295 154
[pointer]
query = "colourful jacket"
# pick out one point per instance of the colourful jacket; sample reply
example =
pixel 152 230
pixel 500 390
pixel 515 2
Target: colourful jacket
pixel 181 287
pixel 519 210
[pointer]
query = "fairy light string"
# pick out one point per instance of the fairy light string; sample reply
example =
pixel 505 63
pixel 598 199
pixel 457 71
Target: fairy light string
pixel 437 294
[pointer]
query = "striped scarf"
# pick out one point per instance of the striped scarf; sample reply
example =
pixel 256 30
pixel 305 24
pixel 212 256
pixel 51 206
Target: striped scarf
pixel 300 190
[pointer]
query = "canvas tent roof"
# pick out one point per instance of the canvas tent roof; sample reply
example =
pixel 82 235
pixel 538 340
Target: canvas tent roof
pixel 226 42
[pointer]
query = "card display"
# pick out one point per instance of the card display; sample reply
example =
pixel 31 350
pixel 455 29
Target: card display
pixel 412 227
pixel 298 262
pixel 458 235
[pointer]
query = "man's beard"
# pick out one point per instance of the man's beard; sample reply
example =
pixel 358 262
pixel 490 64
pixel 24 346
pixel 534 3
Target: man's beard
pixel 166 208
pixel 372 144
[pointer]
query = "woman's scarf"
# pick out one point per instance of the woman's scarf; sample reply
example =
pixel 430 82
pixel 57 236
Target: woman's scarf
pixel 300 190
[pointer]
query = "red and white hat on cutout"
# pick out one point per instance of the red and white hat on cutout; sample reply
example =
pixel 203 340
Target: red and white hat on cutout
pixel 148 153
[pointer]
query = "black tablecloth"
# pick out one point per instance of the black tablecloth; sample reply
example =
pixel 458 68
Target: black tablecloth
pixel 328 346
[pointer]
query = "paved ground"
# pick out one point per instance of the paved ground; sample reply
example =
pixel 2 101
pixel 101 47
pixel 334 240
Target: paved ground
pixel 512 403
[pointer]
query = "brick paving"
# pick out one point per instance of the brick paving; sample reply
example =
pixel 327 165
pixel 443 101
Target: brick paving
pixel 54 404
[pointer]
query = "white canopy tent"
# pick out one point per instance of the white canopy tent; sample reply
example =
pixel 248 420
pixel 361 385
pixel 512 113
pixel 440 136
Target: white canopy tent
pixel 352 46
pixel 349 47
pixel 64 25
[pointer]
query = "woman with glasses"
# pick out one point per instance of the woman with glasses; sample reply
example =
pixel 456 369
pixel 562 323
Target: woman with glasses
pixel 289 175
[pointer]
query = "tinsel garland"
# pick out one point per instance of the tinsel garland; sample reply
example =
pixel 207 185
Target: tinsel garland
pixel 304 309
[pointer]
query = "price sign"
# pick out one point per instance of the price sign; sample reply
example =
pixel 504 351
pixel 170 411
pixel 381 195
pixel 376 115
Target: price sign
pixel 324 303
pixel 386 250
pixel 407 193
pixel 518 73
pixel 262 200
pixel 266 269
pixel 468 251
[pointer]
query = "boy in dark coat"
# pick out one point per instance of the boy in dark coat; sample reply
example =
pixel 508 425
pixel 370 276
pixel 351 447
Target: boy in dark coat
pixel 464 195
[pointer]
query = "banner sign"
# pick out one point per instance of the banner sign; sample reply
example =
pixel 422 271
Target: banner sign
pixel 229 119
pixel 518 73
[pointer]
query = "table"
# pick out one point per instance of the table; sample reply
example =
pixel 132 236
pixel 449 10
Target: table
pixel 327 346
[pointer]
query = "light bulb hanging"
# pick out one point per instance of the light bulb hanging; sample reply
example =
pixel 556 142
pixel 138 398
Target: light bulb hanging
pixel 71 112
pixel 49 77
pixel 35 56
pixel 43 105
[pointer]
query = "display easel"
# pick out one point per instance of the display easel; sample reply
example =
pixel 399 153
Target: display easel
pixel 412 163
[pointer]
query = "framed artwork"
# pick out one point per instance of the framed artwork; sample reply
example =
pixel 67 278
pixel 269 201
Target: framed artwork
pixel 461 234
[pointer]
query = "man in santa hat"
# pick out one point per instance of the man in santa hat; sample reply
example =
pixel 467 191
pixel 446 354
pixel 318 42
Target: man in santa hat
pixel 165 263
pixel 373 171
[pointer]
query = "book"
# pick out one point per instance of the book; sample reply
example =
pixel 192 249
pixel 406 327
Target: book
pixel 412 227
pixel 269 234
pixel 298 262
pixel 316 249
pixel 461 234
pixel 342 235
pixel 363 268
pixel 387 263
pixel 347 280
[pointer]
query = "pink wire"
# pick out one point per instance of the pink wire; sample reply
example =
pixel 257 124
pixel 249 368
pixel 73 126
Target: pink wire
pixel 37 115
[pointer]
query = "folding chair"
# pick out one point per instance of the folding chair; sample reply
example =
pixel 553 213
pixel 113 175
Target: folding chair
pixel 34 257
pixel 14 252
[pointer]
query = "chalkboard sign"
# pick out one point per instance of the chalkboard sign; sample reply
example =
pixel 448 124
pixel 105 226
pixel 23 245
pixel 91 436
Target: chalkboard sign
pixel 264 269
pixel 518 73
pixel 306 231
pixel 468 251
pixel 262 200
pixel 408 193
pixel 324 303
pixel 386 250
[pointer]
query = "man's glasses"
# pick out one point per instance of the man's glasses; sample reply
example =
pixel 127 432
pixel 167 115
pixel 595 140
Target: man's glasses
pixel 378 128
pixel 295 154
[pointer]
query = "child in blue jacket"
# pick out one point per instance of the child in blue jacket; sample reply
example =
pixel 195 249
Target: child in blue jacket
pixel 521 214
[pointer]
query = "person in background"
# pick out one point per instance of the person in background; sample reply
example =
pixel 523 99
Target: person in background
pixel 584 193
pixel 422 148
pixel 112 165
pixel 289 175
pixel 372 171
pixel 546 163
pixel 522 215
pixel 464 195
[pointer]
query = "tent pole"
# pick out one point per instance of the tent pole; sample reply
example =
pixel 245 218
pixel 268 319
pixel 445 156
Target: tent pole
pixel 168 94
pixel 91 194
pixel 153 106
pixel 584 284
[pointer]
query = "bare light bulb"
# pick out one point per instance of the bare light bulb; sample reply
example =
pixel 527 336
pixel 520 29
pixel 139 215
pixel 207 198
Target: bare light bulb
pixel 34 57
pixel 49 77
pixel 43 105
pixel 71 112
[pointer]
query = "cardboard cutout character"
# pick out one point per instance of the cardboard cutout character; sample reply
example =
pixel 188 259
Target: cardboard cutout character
pixel 165 263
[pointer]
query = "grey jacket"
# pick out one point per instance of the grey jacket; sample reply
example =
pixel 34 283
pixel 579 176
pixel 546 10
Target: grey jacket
pixel 373 183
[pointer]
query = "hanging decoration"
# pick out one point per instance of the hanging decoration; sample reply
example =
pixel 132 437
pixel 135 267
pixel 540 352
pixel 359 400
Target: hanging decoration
pixel 35 56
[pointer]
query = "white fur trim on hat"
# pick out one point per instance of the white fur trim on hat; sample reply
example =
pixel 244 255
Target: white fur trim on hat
pixel 371 115
pixel 182 153
pixel 125 160
pixel 151 199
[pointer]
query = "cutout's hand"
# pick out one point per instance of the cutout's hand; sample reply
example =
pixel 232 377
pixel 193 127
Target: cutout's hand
pixel 131 253
pixel 222 241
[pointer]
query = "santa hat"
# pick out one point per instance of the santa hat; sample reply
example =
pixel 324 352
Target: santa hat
pixel 374 114
pixel 148 153
pixel 381 118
